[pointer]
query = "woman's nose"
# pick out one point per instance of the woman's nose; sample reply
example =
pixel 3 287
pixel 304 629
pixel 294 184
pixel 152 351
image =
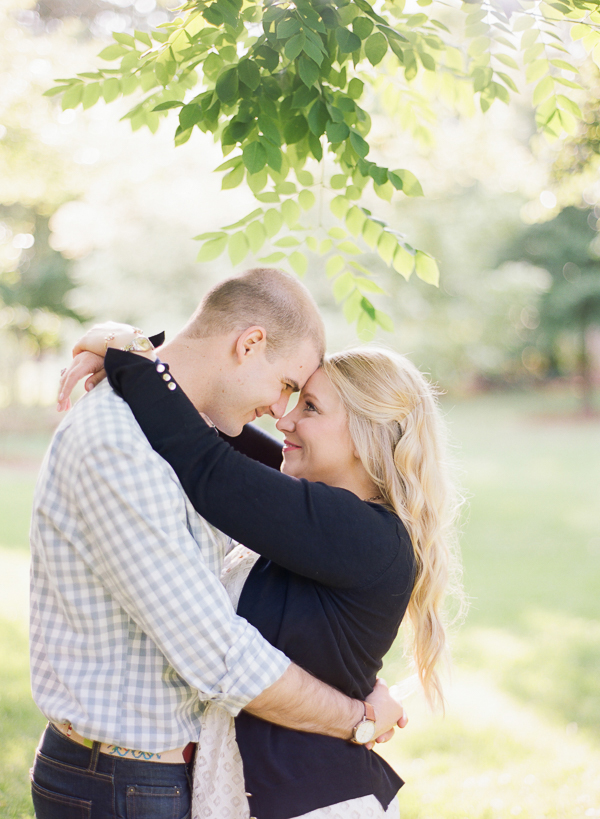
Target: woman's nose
pixel 286 423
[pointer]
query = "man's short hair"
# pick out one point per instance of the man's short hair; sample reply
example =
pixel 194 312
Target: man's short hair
pixel 264 296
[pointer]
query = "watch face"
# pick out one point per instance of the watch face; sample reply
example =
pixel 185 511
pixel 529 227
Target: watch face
pixel 364 732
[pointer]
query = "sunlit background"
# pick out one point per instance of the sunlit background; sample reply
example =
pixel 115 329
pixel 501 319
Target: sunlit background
pixel 97 221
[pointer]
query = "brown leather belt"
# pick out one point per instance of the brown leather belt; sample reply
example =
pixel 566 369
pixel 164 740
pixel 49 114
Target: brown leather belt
pixel 178 756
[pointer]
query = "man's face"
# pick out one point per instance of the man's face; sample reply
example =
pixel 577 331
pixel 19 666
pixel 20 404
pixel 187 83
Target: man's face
pixel 260 386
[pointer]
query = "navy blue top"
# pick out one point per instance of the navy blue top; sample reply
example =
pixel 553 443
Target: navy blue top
pixel 330 588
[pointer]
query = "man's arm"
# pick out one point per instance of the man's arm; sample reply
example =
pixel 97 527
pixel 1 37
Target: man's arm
pixel 299 701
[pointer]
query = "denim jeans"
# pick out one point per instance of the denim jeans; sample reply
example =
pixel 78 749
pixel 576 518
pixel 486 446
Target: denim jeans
pixel 70 781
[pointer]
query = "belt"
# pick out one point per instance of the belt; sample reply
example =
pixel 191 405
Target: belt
pixel 176 755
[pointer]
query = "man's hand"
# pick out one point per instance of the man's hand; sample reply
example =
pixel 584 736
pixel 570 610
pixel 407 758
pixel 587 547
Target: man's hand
pixel 389 713
pixel 84 364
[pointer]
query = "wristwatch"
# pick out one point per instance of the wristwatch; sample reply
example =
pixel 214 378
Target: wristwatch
pixel 140 344
pixel 364 731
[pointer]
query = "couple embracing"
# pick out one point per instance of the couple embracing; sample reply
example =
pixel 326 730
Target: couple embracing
pixel 209 609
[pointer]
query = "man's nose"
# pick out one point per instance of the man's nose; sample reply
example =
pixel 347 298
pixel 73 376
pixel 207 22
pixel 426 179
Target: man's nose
pixel 277 410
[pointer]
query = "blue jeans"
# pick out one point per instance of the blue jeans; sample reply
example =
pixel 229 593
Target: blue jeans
pixel 70 781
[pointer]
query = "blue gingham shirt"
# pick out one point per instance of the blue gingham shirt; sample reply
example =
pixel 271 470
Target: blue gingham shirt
pixel 131 631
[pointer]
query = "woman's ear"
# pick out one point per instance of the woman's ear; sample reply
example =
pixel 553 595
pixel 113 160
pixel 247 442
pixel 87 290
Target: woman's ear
pixel 250 342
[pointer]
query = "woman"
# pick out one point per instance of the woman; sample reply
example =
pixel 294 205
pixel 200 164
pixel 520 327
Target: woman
pixel 353 532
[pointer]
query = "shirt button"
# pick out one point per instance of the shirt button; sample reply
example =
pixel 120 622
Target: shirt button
pixel 172 385
pixel 166 377
pixel 160 368
pixel 249 794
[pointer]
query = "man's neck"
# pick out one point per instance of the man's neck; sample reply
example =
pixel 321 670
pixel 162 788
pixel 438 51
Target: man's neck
pixel 186 358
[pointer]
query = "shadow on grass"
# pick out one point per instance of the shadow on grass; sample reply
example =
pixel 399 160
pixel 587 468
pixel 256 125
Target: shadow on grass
pixel 21 723
pixel 551 665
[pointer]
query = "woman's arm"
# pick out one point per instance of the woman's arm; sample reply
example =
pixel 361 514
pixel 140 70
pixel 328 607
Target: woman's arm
pixel 319 531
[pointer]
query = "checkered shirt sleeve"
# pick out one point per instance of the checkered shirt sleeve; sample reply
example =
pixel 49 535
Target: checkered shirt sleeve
pixel 131 630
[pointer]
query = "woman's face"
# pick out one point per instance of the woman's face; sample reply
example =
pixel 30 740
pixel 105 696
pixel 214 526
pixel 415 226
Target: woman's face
pixel 317 444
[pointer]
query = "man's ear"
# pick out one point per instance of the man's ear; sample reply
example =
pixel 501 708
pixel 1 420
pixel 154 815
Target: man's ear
pixel 251 342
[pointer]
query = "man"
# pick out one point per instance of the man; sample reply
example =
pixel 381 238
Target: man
pixel 131 631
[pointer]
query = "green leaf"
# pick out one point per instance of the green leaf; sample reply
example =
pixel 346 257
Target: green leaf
pixel 210 250
pixel 343 286
pixel 347 41
pixel 274 155
pixel 371 233
pixel 334 265
pixel 410 184
pixel 355 219
pixel 295 129
pixel 113 52
pixel 293 47
pixel 290 211
pixel 564 65
pixel 256 236
pixel 426 268
pixel 214 234
pixel 72 96
pixel 299 262
pixel 306 199
pixel 337 131
pixel 249 74
pixel 366 285
pixel 238 247
pixel 569 105
pixel 143 37
pixel 234 177
pixel 308 70
pixel 190 115
pixel 272 258
pixel 359 144
pixel 164 106
pixel 536 70
pixel 355 88
pixel 267 57
pixel 317 118
pixel 313 51
pixel 56 89
pixel 91 94
pixel 349 247
pixel 288 241
pixel 227 86
pixel 386 247
pixel 245 219
pixel 376 47
pixel 337 232
pixel 288 28
pixel 303 96
pixel 273 222
pixel 339 207
pixel 403 262
pixel 255 157
pixel 352 306
pixel 384 321
pixel 543 90
pixel 362 27
pixel 507 60
pixel 125 39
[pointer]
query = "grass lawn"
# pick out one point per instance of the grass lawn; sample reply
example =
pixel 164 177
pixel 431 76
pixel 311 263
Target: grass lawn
pixel 521 736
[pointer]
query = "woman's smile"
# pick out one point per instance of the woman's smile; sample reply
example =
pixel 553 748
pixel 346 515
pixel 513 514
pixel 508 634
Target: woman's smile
pixel 288 446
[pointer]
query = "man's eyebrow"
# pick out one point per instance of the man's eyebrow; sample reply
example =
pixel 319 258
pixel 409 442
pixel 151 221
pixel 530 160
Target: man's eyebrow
pixel 293 384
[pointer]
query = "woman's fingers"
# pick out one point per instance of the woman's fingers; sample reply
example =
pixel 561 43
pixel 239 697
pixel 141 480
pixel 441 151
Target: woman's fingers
pixel 84 364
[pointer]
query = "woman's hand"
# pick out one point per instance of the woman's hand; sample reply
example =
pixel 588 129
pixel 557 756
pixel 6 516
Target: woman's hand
pixel 388 712
pixel 108 334
pixel 83 364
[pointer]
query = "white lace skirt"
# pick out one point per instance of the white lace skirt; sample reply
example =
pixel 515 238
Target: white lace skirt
pixel 219 790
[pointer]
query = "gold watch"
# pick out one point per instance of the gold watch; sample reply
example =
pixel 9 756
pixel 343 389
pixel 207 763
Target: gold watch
pixel 364 731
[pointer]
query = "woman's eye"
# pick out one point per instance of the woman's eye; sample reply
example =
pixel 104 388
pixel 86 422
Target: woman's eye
pixel 309 406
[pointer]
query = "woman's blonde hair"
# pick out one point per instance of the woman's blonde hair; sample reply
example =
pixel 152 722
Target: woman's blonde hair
pixel 397 428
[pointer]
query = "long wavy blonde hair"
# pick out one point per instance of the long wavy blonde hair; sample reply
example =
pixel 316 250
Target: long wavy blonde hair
pixel 397 428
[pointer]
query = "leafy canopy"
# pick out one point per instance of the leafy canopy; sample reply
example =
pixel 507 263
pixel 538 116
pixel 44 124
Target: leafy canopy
pixel 281 83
